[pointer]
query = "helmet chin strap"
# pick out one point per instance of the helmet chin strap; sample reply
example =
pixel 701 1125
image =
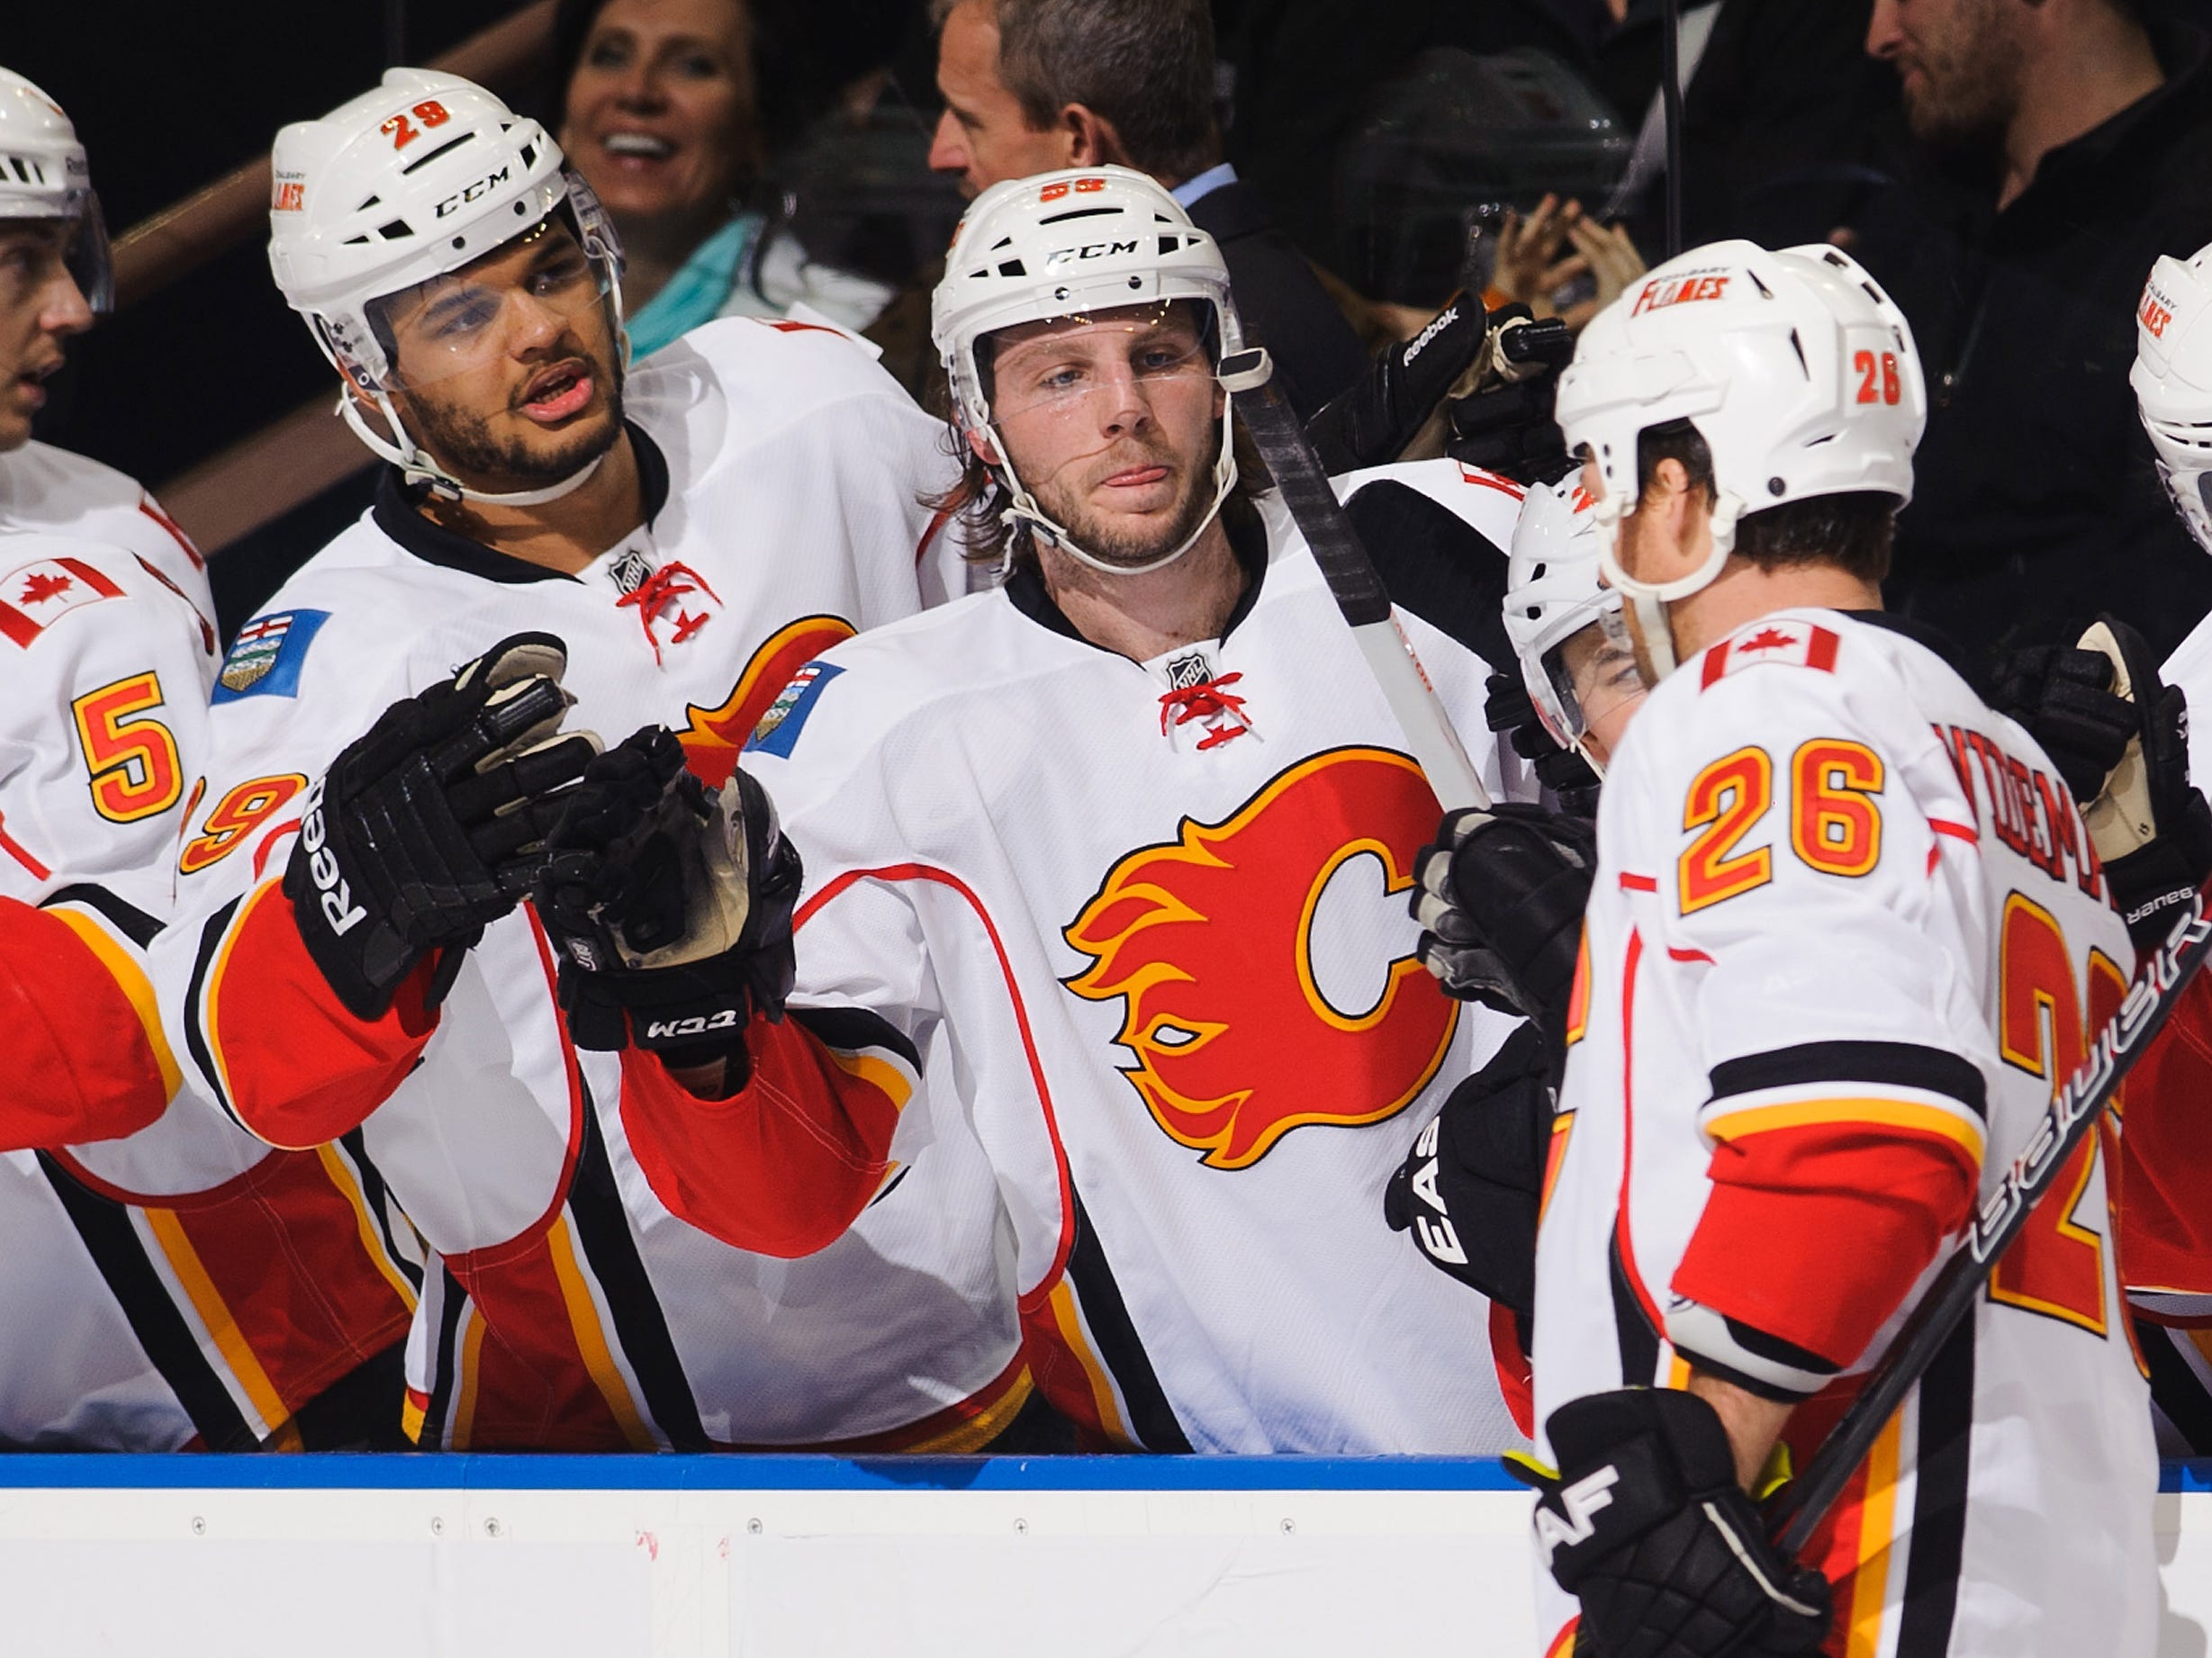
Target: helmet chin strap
pixel 416 461
pixel 1650 600
pixel 1024 510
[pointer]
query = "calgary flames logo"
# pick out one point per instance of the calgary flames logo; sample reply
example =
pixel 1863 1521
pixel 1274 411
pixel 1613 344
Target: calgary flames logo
pixel 1210 942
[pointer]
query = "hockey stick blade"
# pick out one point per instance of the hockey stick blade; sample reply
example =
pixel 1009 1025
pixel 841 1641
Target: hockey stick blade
pixel 1358 591
pixel 2071 1116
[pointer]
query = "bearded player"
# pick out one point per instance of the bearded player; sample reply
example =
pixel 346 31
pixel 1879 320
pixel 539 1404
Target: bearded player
pixel 180 1284
pixel 1846 934
pixel 679 539
pixel 1115 858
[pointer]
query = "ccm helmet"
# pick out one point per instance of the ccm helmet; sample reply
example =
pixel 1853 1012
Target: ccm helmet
pixel 43 175
pixel 2172 378
pixel 1072 244
pixel 399 186
pixel 1797 370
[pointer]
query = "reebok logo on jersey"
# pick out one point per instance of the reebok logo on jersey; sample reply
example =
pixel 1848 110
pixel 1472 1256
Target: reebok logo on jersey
pixel 34 597
pixel 1265 963
pixel 1578 1501
pixel 336 896
pixel 266 657
pixel 780 727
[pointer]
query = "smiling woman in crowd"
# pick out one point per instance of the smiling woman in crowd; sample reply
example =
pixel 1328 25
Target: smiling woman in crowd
pixel 662 109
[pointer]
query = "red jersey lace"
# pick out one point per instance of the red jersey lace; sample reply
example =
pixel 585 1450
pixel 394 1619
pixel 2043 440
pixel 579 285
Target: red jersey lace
pixel 664 587
pixel 1208 700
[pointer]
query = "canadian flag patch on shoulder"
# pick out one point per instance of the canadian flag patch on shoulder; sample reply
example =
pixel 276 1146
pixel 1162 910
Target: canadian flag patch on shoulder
pixel 1790 644
pixel 34 596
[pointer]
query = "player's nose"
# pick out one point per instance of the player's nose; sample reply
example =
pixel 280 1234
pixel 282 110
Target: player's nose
pixel 64 310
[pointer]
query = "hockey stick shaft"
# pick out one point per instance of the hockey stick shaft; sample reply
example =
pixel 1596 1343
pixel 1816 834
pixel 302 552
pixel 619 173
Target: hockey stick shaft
pixel 2072 1116
pixel 1670 104
pixel 1351 574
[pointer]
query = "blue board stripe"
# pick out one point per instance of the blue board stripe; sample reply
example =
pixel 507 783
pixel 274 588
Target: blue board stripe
pixel 336 1471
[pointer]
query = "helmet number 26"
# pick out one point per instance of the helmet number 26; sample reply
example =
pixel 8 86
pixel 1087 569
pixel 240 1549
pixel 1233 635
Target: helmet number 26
pixel 1878 378
pixel 430 113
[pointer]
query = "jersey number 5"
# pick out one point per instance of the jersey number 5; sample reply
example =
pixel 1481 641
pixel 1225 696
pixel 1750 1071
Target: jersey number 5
pixel 135 770
pixel 1834 825
pixel 2056 1268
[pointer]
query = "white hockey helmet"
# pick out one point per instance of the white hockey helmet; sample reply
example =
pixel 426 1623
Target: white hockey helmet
pixel 43 174
pixel 1797 370
pixel 397 188
pixel 1552 593
pixel 1070 244
pixel 2172 378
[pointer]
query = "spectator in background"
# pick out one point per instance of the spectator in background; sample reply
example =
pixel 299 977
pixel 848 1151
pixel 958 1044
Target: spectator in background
pixel 1030 85
pixel 667 108
pixel 2060 147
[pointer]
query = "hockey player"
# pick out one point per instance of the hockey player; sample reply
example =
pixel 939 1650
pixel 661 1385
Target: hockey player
pixel 683 538
pixel 1847 932
pixel 1500 898
pixel 181 1285
pixel 1115 856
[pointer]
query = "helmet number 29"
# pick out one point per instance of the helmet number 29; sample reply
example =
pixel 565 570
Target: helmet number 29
pixel 1878 378
pixel 430 113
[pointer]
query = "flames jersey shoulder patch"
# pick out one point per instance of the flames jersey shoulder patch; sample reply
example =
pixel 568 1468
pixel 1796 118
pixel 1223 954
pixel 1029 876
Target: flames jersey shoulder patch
pixel 266 658
pixel 1774 641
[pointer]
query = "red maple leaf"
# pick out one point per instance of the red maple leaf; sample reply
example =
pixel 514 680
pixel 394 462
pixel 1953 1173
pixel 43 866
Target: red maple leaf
pixel 1768 639
pixel 40 587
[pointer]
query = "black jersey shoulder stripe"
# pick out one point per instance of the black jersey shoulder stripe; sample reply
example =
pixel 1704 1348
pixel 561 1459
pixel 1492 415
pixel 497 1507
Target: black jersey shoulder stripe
pixel 1637 1342
pixel 1904 1065
pixel 850 1029
pixel 2176 1390
pixel 603 1234
pixel 1942 1466
pixel 195 1031
pixel 103 1226
pixel 133 923
pixel 451 1298
pixel 1150 1417
pixel 378 1195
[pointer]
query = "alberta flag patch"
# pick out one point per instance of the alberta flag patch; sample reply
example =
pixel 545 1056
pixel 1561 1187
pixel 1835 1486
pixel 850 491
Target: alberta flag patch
pixel 780 726
pixel 264 658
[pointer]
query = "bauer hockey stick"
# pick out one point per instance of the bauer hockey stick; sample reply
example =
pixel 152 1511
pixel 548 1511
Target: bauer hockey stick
pixel 1352 578
pixel 2072 1113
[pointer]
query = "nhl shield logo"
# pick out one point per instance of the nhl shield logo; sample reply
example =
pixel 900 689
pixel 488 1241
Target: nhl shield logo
pixel 1185 671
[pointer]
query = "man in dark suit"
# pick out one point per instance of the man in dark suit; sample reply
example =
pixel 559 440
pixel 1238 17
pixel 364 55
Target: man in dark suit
pixel 1030 85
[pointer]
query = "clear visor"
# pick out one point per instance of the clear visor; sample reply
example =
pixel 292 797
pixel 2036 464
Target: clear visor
pixel 90 262
pixel 543 284
pixel 1108 393
pixel 1060 370
pixel 1593 678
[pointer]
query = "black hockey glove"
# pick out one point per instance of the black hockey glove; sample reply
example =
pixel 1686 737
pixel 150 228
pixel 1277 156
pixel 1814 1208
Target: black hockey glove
pixel 2150 824
pixel 1506 707
pixel 671 905
pixel 1469 1191
pixel 1644 1522
pixel 2062 695
pixel 1379 416
pixel 430 826
pixel 1500 896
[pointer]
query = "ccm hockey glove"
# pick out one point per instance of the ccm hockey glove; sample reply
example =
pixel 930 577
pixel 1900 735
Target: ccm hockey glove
pixel 2150 824
pixel 1468 1190
pixel 430 826
pixel 671 905
pixel 1499 898
pixel 1644 1522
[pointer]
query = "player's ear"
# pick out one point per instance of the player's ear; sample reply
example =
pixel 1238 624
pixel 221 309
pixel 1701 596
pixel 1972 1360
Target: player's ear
pixel 980 445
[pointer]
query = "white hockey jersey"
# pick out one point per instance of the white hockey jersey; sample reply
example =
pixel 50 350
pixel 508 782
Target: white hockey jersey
pixel 58 493
pixel 785 477
pixel 1847 932
pixel 185 1284
pixel 1152 919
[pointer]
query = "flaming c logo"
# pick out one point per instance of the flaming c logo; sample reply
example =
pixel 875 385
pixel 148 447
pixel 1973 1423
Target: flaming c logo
pixel 1209 940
